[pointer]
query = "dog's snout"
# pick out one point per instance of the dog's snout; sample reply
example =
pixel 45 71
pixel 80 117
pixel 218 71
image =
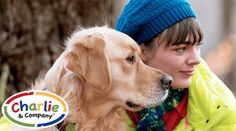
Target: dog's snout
pixel 166 81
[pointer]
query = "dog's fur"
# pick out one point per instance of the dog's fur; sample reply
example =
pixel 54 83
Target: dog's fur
pixel 98 74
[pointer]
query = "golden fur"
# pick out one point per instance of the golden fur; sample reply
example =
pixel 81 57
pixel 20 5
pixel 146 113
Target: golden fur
pixel 97 79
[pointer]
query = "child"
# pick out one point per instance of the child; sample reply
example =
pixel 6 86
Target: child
pixel 169 37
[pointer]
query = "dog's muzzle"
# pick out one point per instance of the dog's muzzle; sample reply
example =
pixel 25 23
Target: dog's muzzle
pixel 166 82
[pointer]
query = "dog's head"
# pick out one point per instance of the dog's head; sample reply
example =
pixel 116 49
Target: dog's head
pixel 108 62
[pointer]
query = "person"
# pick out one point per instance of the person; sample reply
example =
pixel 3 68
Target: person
pixel 169 36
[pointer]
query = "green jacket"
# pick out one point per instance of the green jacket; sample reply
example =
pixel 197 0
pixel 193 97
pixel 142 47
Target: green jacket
pixel 211 105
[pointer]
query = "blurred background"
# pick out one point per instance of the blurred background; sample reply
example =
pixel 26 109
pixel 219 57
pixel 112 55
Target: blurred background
pixel 32 34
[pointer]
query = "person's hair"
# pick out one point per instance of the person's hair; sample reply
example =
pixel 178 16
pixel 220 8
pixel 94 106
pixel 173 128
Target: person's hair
pixel 178 33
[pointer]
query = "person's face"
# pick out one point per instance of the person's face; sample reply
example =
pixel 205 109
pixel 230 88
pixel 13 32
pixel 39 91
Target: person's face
pixel 177 61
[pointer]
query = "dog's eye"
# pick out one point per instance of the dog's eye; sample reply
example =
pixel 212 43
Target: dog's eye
pixel 131 59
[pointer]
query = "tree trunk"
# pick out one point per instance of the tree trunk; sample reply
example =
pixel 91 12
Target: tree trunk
pixel 32 33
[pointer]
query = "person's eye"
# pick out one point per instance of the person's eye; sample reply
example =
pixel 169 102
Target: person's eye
pixel 131 59
pixel 180 50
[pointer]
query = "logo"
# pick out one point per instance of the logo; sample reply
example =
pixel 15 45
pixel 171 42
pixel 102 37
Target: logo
pixel 35 109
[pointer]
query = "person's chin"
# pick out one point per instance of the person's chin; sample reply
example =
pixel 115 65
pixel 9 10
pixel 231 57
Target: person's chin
pixel 181 83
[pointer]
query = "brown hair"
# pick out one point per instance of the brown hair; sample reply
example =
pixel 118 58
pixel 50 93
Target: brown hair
pixel 178 33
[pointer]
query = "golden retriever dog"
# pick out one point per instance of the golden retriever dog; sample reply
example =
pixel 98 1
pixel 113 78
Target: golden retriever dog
pixel 100 75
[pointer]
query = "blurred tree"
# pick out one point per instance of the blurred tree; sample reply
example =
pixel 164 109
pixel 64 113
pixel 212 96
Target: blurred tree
pixel 32 33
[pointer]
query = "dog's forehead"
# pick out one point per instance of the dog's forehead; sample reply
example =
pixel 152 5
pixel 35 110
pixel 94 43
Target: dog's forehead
pixel 120 43
pixel 116 43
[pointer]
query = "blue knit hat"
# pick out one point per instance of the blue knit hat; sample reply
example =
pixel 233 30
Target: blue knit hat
pixel 145 19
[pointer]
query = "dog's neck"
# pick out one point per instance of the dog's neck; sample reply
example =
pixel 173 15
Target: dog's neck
pixel 100 113
pixel 97 112
pixel 88 109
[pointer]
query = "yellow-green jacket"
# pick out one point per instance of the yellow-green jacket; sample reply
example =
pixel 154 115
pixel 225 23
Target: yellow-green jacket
pixel 211 105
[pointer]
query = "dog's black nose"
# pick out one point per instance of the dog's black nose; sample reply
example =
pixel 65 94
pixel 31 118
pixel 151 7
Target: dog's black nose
pixel 166 81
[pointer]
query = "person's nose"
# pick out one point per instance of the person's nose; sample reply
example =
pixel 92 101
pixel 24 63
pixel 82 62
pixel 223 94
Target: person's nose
pixel 194 58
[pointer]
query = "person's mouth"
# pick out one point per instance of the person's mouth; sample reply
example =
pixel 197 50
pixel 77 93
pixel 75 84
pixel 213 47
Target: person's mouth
pixel 188 73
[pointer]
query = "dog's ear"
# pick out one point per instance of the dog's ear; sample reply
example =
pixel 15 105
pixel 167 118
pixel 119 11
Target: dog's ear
pixel 87 59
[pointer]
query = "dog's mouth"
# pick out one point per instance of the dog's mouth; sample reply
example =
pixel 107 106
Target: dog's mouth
pixel 146 102
pixel 132 105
